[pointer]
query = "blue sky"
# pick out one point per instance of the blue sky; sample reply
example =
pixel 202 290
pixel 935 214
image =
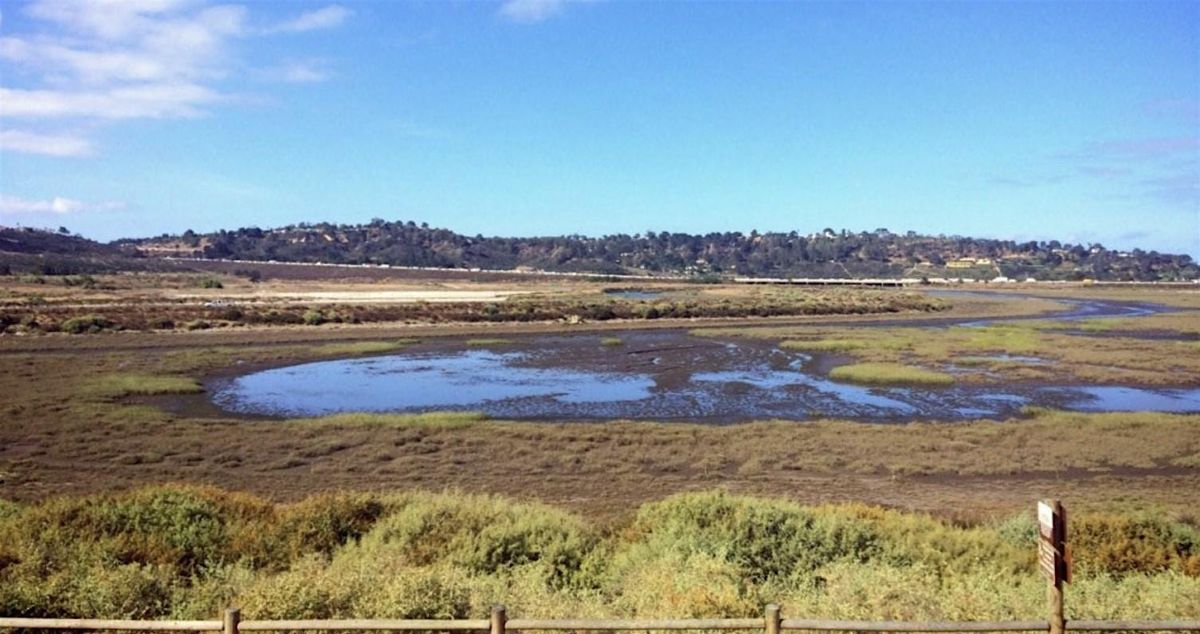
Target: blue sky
pixel 1074 121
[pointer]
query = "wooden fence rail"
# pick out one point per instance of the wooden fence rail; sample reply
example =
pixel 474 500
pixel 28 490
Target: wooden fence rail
pixel 771 623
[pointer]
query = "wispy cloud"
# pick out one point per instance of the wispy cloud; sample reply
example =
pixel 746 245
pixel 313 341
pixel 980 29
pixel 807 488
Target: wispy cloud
pixel 306 71
pixel 93 44
pixel 1027 180
pixel 1186 110
pixel 57 205
pixel 1161 169
pixel 1178 188
pixel 527 11
pixel 1104 173
pixel 44 144
pixel 1147 148
pixel 323 18
pixel 144 101
pixel 107 60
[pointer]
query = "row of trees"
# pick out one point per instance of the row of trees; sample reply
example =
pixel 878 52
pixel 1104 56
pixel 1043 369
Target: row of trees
pixel 828 253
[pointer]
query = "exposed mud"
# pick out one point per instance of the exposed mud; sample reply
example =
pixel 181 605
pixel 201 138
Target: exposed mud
pixel 650 375
pixel 653 374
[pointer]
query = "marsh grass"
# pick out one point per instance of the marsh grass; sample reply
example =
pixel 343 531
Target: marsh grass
pixel 361 347
pixel 1099 355
pixel 1099 324
pixel 1013 339
pixel 118 385
pixel 824 345
pixel 889 374
pixel 431 420
pixel 132 313
pixel 488 341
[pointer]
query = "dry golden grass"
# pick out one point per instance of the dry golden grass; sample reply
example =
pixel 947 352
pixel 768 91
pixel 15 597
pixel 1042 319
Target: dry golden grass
pixel 433 420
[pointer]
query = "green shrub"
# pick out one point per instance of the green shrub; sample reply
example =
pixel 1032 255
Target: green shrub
pixel 422 593
pixel 273 316
pixel 85 324
pixel 82 281
pixel 1123 544
pixel 324 523
pixel 764 540
pixel 309 590
pixel 1019 530
pixel 483 534
pixel 186 529
pixel 161 323
pixel 185 552
pixel 8 509
pixel 313 317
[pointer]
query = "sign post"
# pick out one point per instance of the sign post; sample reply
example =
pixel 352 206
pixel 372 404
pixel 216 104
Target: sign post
pixel 1052 558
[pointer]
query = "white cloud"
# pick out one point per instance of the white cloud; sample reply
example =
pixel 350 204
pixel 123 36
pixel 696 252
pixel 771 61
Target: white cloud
pixel 531 10
pixel 102 42
pixel 104 19
pixel 323 18
pixel 46 144
pixel 57 205
pixel 146 101
pixel 106 60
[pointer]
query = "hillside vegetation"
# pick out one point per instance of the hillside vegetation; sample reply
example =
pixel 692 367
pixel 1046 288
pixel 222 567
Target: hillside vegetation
pixel 826 254
pixel 33 251
pixel 187 552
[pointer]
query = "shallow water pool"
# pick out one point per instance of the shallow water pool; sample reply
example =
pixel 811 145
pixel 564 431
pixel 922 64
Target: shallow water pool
pixel 663 375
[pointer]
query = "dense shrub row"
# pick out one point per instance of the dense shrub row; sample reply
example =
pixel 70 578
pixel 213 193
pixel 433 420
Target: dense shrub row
pixel 185 552
pixel 43 318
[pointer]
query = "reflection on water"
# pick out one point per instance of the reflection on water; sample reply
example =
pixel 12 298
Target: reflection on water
pixel 702 380
pixel 395 383
pixel 1111 398
pixel 1003 358
pixel 634 294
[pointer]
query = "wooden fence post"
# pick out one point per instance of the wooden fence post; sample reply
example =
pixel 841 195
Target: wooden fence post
pixel 232 617
pixel 772 619
pixel 499 618
pixel 1058 622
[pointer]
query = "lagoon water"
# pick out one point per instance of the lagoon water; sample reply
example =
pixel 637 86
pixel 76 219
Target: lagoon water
pixel 420 383
pixel 663 375
pixel 729 383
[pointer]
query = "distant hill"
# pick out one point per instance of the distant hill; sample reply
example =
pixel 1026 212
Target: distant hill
pixel 830 253
pixel 44 252
pixel 42 242
pixel 826 254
